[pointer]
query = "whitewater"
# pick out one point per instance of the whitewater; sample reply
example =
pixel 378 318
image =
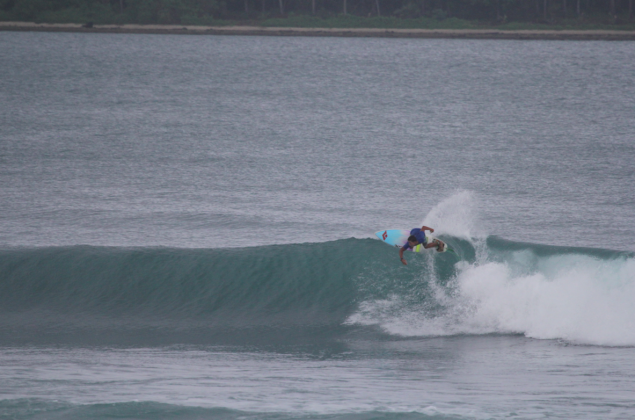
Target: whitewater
pixel 187 228
pixel 580 295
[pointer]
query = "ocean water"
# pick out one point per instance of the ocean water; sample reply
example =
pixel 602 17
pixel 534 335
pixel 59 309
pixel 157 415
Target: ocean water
pixel 187 228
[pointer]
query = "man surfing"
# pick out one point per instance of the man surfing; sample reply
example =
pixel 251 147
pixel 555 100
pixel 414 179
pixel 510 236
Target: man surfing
pixel 418 236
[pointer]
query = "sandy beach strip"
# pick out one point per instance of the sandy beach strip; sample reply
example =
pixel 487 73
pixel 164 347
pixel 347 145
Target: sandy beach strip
pixel 604 35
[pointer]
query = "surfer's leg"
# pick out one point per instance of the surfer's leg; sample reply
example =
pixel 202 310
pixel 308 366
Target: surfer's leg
pixel 435 243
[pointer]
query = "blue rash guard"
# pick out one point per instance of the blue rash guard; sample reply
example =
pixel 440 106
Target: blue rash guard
pixel 419 234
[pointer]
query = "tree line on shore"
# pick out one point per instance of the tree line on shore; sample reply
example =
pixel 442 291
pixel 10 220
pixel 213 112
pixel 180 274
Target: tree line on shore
pixel 309 12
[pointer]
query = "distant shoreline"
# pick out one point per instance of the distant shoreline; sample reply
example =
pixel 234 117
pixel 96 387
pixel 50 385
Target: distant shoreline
pixel 579 35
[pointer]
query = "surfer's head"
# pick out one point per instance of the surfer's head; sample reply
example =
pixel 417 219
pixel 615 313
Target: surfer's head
pixel 412 240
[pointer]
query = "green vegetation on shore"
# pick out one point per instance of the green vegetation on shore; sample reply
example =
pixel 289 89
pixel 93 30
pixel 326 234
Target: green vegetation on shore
pixel 392 22
pixel 405 14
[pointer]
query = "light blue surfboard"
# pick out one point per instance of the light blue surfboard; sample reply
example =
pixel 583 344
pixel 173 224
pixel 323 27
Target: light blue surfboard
pixel 399 237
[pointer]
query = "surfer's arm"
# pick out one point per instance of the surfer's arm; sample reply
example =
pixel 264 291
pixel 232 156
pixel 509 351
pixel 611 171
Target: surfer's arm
pixel 401 250
pixel 427 228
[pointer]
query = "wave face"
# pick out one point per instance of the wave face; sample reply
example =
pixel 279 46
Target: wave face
pixel 93 290
pixel 102 295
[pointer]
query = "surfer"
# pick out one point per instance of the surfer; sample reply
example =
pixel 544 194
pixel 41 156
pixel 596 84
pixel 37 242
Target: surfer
pixel 418 236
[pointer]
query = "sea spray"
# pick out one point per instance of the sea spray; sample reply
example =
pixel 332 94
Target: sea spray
pixel 457 216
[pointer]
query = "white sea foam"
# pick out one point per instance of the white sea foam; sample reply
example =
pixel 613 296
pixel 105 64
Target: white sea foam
pixel 579 299
pixel 574 297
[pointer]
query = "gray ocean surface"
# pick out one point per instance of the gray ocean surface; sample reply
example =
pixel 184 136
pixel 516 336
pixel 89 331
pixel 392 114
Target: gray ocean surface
pixel 187 228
